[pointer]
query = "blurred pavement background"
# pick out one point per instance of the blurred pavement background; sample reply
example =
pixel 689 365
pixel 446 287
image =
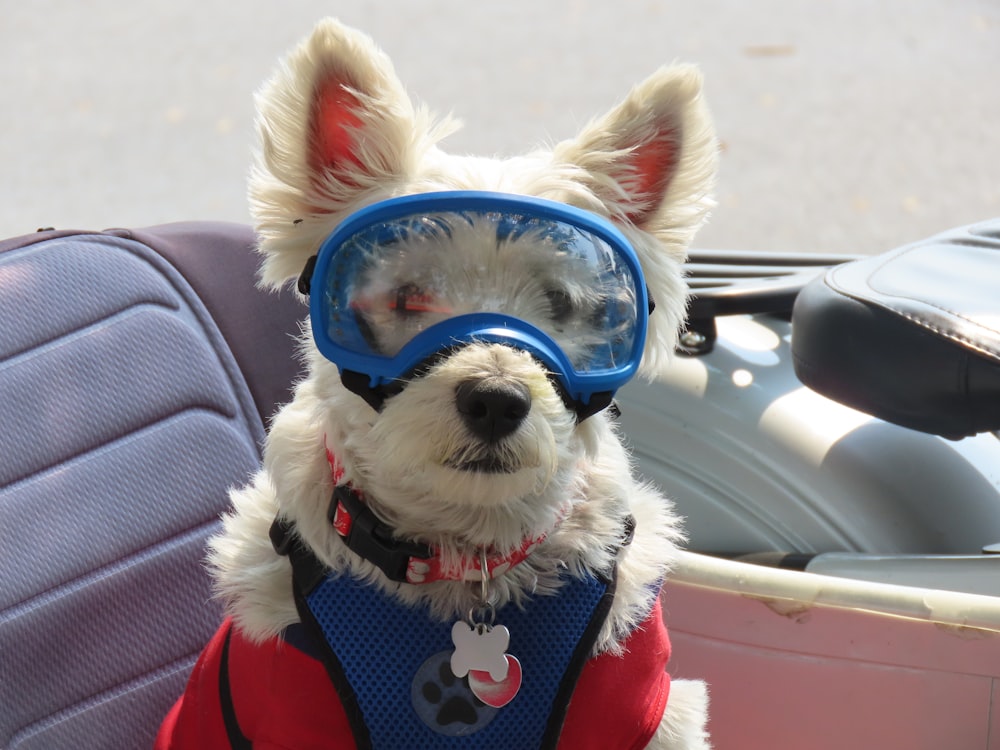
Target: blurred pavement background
pixel 846 126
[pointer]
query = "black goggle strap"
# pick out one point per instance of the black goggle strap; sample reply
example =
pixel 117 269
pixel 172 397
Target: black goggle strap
pixel 304 284
pixel 374 395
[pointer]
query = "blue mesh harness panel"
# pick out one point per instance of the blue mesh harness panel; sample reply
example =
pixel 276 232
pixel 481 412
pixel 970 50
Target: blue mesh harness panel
pixel 390 665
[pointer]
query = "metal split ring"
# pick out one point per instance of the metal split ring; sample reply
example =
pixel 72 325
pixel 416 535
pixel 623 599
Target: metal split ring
pixel 484 614
pixel 486 619
pixel 484 577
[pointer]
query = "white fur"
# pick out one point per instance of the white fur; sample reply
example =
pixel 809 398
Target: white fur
pixel 404 457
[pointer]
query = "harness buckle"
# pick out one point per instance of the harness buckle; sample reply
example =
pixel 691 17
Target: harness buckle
pixel 372 539
pixel 282 536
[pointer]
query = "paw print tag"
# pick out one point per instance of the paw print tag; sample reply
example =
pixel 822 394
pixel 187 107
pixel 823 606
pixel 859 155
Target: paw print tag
pixel 445 703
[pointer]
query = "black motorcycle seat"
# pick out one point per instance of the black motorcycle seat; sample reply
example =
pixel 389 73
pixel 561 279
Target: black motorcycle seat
pixel 911 336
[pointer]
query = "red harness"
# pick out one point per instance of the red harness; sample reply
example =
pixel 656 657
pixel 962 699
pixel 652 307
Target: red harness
pixel 282 699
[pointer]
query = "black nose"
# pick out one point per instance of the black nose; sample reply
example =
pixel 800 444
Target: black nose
pixel 492 410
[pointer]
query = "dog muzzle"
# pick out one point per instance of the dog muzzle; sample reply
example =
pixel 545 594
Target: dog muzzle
pixel 405 280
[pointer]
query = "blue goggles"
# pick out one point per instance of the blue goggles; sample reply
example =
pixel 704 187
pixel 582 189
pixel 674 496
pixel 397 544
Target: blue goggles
pixel 400 281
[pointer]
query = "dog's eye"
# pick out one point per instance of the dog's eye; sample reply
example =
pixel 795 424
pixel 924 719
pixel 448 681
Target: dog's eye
pixel 560 304
pixel 410 299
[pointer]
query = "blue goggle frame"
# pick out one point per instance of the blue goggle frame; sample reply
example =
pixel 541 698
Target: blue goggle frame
pixel 488 327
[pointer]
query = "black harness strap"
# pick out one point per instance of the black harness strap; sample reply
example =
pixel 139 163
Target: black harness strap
pixel 581 655
pixel 307 573
pixel 237 740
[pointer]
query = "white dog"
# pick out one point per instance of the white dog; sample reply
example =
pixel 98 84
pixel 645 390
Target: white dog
pixel 446 546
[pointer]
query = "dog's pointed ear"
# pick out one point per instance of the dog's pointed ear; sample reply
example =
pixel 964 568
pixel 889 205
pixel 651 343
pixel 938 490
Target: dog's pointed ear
pixel 335 129
pixel 654 150
pixel 651 162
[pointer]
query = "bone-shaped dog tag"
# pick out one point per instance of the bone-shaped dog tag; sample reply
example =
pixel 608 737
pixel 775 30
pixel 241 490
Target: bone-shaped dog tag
pixel 480 647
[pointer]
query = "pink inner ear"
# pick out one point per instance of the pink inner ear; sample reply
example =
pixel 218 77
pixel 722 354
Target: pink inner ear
pixel 333 123
pixel 654 163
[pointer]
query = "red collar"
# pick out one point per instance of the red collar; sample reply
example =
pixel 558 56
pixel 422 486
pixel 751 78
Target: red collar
pixel 408 562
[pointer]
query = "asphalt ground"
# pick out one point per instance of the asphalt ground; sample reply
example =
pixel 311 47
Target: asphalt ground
pixel 849 126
